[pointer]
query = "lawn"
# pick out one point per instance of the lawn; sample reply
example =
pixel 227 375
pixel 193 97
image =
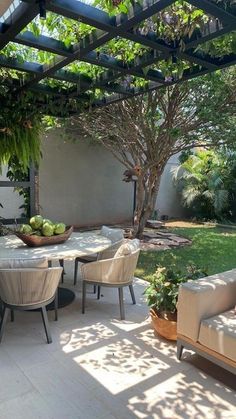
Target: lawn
pixel 213 249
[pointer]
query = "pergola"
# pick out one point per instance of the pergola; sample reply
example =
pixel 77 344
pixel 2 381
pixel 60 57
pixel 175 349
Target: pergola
pixel 113 79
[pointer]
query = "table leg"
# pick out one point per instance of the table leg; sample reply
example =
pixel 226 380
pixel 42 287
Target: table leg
pixel 56 306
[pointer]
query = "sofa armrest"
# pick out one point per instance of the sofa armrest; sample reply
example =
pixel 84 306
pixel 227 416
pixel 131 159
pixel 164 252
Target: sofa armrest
pixel 204 298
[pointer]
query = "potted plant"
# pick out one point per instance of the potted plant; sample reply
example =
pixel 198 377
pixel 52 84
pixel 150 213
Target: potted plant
pixel 162 297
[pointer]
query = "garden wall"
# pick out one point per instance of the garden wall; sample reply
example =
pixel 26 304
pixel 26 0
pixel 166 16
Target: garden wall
pixel 168 200
pixel 81 184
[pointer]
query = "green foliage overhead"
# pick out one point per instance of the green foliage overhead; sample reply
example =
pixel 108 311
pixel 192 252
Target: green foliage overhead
pixel 20 127
pixel 174 25
pixel 21 114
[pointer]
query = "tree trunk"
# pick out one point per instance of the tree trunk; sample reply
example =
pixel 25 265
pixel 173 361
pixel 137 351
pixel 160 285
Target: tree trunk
pixel 145 200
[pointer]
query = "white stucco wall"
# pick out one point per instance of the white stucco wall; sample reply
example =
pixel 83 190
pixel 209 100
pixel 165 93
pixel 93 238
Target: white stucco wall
pixel 10 199
pixel 168 200
pixel 81 184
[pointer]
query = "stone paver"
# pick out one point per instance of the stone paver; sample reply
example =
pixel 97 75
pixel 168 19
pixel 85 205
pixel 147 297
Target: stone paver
pixel 101 367
pixel 161 240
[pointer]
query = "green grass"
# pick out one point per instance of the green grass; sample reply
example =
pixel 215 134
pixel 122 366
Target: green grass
pixel 213 249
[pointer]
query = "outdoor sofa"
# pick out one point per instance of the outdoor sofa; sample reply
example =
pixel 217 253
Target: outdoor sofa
pixel 207 318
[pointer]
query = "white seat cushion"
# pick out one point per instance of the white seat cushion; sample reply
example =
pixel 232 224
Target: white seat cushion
pixel 219 334
pixel 113 234
pixel 23 263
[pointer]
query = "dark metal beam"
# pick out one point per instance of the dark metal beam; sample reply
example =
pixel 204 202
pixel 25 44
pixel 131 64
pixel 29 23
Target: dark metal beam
pixel 15 64
pixel 44 43
pixel 21 16
pixel 208 32
pixel 188 75
pixel 220 10
pixel 83 12
pixel 152 41
pixel 107 28
pixel 82 81
pixel 74 9
pixel 14 184
pixel 103 60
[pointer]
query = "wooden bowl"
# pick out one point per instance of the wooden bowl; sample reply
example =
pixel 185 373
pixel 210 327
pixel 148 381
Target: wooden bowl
pixel 35 241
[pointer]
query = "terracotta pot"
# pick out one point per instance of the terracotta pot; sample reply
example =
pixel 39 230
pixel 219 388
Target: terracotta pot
pixel 165 325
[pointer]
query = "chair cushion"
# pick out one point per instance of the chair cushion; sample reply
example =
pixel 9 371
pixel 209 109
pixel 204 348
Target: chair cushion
pixel 23 263
pixel 113 234
pixel 219 334
pixel 127 248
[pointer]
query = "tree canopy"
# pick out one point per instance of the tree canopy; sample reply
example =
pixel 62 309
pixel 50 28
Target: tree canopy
pixel 76 57
pixel 145 131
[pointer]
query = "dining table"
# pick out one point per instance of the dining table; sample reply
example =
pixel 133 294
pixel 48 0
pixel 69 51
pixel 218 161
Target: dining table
pixel 79 244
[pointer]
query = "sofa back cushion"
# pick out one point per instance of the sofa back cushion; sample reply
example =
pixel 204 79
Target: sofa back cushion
pixel 204 298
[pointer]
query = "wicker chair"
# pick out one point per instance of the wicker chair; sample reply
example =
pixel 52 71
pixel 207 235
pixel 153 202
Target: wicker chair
pixel 28 289
pixel 115 235
pixel 115 272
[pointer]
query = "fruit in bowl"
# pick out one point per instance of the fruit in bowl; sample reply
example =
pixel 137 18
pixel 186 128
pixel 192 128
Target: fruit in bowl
pixel 42 231
pixel 59 228
pixel 26 229
pixel 36 222
pixel 47 229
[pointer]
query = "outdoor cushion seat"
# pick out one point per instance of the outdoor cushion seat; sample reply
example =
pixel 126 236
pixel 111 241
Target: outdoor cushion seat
pixel 29 263
pixel 116 236
pixel 219 334
pixel 28 289
pixel 206 321
pixel 116 272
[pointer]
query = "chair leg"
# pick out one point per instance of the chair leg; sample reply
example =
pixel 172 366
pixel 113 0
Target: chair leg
pixel 94 289
pixel 99 292
pixel 131 288
pixel 56 305
pixel 46 324
pixel 121 301
pixel 76 271
pixel 3 321
pixel 179 350
pixel 61 263
pixel 12 316
pixel 83 296
pixel 49 263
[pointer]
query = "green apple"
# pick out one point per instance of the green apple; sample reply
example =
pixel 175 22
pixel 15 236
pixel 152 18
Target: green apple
pixel 47 229
pixel 59 228
pixel 36 222
pixel 25 229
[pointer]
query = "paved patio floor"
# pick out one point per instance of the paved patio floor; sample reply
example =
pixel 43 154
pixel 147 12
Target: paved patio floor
pixel 104 368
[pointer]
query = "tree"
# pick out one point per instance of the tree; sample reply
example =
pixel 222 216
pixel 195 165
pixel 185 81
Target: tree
pixel 208 184
pixel 144 132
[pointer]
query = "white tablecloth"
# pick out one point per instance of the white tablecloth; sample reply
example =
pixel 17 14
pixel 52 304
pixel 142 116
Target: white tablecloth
pixel 78 245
